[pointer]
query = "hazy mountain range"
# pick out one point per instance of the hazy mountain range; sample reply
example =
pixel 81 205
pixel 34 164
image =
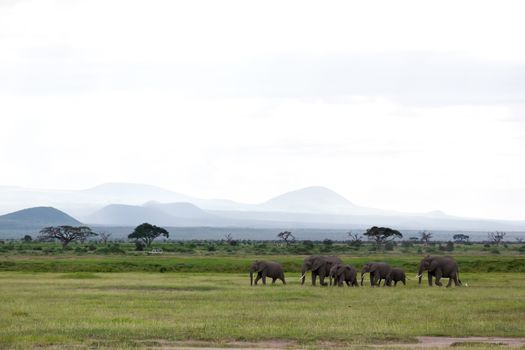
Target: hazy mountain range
pixel 119 204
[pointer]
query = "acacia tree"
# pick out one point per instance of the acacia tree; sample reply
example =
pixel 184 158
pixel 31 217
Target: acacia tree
pixel 355 239
pixel 381 235
pixel 496 237
pixel 461 238
pixel 104 237
pixel 229 239
pixel 287 237
pixel 146 233
pixel 66 234
pixel 425 236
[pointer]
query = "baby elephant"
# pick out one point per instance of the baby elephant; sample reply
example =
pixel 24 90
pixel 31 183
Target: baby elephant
pixel 265 269
pixel 343 273
pixel 397 275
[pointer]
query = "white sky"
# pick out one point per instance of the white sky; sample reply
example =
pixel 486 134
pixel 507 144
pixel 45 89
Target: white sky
pixel 405 105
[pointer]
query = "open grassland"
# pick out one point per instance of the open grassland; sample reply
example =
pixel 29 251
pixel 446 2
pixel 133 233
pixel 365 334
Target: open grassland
pixel 138 309
pixel 232 264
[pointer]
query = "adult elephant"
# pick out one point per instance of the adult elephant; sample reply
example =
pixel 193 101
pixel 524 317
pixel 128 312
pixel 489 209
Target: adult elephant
pixel 439 267
pixel 378 271
pixel 343 273
pixel 320 266
pixel 265 269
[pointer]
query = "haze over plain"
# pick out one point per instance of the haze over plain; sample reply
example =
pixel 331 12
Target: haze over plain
pixel 247 104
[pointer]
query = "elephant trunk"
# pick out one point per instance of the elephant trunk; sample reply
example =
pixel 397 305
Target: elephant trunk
pixel 303 273
pixel 420 272
pixel 251 278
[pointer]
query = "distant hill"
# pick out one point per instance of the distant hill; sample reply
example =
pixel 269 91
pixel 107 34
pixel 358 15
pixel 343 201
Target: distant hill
pixel 309 200
pixel 133 193
pixel 310 207
pixel 167 214
pixel 37 217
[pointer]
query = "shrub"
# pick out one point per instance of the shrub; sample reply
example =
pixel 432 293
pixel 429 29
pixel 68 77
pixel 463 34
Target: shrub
pixel 494 251
pixel 389 246
pixel 112 248
pixel 139 246
pixel 211 248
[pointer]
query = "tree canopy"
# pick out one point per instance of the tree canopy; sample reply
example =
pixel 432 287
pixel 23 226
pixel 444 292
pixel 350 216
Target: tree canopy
pixel 66 234
pixel 461 238
pixel 382 234
pixel 147 233
pixel 286 236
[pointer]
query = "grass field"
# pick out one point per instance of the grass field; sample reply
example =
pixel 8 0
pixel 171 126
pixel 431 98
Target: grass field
pixel 139 309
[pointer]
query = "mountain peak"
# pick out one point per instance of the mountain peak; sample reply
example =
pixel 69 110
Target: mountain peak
pixel 313 199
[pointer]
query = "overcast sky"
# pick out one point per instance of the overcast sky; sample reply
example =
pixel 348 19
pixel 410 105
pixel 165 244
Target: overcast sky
pixel 405 105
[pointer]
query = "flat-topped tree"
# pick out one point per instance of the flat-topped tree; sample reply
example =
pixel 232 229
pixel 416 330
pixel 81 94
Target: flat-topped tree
pixel 381 235
pixel 66 234
pixel 287 237
pixel 147 233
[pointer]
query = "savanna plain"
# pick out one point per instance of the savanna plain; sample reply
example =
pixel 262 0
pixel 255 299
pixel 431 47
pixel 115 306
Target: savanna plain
pixel 169 301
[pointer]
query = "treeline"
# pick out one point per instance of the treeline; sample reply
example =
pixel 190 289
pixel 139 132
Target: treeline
pixel 250 247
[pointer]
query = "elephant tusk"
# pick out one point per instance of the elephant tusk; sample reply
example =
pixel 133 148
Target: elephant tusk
pixel 419 276
pixel 300 278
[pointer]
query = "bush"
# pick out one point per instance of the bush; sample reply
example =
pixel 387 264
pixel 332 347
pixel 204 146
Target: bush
pixel 389 246
pixel 494 251
pixel 80 250
pixel 450 246
pixel 308 244
pixel 407 244
pixel 522 249
pixel 139 246
pixel 211 248
pixel 112 248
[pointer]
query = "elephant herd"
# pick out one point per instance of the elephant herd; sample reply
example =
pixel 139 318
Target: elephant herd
pixel 338 273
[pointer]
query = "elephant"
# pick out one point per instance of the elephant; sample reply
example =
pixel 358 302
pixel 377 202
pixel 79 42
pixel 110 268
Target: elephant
pixel 343 273
pixel 265 269
pixel 378 271
pixel 320 266
pixel 439 267
pixel 397 275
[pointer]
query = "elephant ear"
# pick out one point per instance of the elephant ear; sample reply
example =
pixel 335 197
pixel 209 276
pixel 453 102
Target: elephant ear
pixel 433 265
pixel 317 264
pixel 261 267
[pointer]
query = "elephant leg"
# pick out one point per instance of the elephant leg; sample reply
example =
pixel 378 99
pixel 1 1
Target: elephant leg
pixel 257 278
pixel 282 279
pixel 264 279
pixel 456 281
pixel 438 278
pixel 430 279
pixel 449 282
pixel 314 277
pixel 395 283
pixel 373 280
pixel 321 279
pixel 273 280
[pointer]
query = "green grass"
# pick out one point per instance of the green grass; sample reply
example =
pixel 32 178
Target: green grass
pixel 238 264
pixel 126 310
